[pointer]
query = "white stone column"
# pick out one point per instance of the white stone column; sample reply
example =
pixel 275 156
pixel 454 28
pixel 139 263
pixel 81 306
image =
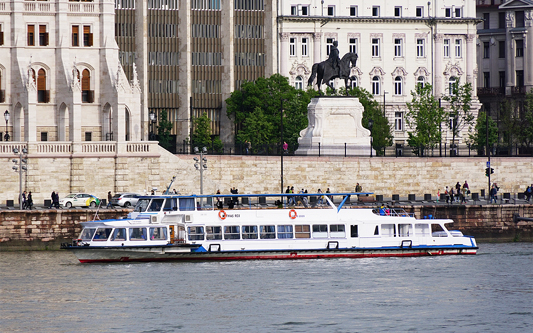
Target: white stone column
pixel 470 58
pixel 438 60
pixel 228 76
pixel 184 31
pixel 317 46
pixel 141 61
pixel 528 57
pixel 509 56
pixel 284 53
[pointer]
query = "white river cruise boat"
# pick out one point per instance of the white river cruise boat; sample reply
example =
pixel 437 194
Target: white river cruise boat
pixel 189 228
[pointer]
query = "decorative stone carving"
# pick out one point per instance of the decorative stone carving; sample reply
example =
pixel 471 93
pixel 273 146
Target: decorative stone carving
pixel 399 71
pixel 135 81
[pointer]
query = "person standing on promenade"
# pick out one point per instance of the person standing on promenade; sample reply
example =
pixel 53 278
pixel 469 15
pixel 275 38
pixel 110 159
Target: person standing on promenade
pixel 493 192
pixel 292 199
pixel 30 201
pixel 458 192
pixel 320 200
pixel 447 194
pixel 109 197
pixel 528 192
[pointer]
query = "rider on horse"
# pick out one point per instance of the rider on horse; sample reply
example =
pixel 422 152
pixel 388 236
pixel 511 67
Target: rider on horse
pixel 334 57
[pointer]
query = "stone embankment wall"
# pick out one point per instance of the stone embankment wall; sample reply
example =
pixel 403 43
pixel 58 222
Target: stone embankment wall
pixel 99 167
pixel 46 229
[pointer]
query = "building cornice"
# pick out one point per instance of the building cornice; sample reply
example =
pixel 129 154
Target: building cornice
pixel 323 20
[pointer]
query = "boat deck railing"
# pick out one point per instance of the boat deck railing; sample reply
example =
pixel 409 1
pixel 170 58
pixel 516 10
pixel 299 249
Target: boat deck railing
pixel 387 211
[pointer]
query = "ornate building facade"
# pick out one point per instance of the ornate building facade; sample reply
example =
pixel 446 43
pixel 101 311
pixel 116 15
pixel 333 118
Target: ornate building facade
pixel 60 75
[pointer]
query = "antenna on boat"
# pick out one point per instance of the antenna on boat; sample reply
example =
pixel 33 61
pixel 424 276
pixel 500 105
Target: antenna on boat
pixel 169 185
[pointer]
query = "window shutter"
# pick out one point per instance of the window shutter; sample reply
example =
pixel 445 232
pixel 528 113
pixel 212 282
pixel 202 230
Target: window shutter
pixel 31 34
pixel 75 35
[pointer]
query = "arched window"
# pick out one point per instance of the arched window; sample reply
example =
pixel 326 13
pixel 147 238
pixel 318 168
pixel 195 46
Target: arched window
pixel 420 82
pixel 375 85
pixel 127 124
pixel 43 95
pixel 298 83
pixel 87 95
pixel 451 82
pixel 398 85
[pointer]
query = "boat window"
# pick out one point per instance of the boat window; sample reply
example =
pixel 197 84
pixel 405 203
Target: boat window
pixel 171 204
pixel 213 232
pixel 267 231
pixel 354 231
pixel 87 234
pixel 102 234
pixel 302 231
pixel 249 232
pixel 438 231
pixel 405 230
pixel 388 230
pixel 137 234
pixel 142 204
pixel 186 204
pixel 232 232
pixel 320 231
pixel 196 233
pixel 119 234
pixel 158 233
pixel 284 231
pixel 337 230
pixel 376 231
pixel 156 205
pixel 422 230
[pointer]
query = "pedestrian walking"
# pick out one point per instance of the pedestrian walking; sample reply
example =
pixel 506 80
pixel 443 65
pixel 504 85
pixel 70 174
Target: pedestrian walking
pixel 109 197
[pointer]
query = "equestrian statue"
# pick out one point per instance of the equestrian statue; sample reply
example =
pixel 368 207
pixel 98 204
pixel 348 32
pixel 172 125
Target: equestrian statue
pixel 333 68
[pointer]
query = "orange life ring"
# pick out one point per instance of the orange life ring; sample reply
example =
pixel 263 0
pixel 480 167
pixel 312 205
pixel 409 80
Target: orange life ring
pixel 293 214
pixel 222 215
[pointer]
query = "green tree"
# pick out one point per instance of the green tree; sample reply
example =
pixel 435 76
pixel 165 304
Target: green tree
pixel 269 95
pixel 509 122
pixel 459 106
pixel 381 129
pixel 525 133
pixel 424 117
pixel 201 136
pixel 163 131
pixel 479 138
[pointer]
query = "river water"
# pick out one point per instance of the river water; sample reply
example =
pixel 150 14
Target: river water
pixel 489 292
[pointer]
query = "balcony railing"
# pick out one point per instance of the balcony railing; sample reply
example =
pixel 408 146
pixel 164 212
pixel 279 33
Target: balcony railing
pixel 490 91
pixel 518 90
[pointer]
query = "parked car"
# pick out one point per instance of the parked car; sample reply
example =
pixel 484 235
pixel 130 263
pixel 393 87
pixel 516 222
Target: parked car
pixel 125 199
pixel 79 200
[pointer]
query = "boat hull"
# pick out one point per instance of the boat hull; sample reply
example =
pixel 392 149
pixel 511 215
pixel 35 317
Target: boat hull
pixel 145 254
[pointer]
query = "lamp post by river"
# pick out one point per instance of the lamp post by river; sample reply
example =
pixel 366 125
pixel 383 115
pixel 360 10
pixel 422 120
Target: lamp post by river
pixel 201 164
pixel 153 118
pixel 6 117
pixel 20 166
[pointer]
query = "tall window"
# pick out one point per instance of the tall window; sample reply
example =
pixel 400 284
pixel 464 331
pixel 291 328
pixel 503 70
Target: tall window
pixel 398 47
pixel 458 11
pixel 486 79
pixel 31 35
pixel 329 44
pixel 420 52
pixel 446 48
pixel 87 36
pixel 43 35
pixel 420 81
pixel 75 35
pixel 501 49
pixel 298 83
pixel 375 85
pixel 519 19
pixel 87 95
pixel 292 46
pixel 520 78
pixel 398 84
pixel 1 35
pixel 486 20
pixel 451 81
pixel 375 47
pixel 42 94
pixel 486 50
pixel 448 12
pixel 305 10
pixel 419 11
pixel 398 121
pixel 331 10
pixel 294 10
pixel 501 75
pixel 353 45
pixel 375 11
pixel 519 48
pixel 353 10
pixel 458 53
pixel 398 11
pixel 304 46
pixel 501 20
pixel 353 82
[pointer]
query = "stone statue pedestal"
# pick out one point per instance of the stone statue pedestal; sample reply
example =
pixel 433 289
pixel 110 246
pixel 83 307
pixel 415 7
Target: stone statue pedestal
pixel 335 124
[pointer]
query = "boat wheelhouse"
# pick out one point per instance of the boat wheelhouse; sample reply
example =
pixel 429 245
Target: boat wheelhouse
pixel 191 228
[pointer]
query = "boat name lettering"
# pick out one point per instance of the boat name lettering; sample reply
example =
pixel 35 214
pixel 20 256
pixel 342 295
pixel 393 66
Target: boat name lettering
pixel 234 215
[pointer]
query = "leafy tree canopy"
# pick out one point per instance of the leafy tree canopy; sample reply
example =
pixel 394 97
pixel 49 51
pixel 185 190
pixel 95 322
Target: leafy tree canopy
pixel 459 106
pixel 201 136
pixel 479 138
pixel 163 130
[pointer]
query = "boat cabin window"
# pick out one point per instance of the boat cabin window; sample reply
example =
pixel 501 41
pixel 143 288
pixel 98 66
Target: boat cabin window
pixel 187 204
pixel 249 232
pixel 422 230
pixel 137 234
pixel 302 231
pixel 119 234
pixel 376 231
pixel 213 232
pixel 87 234
pixel 267 231
pixel 405 230
pixel 438 231
pixel 158 233
pixel 171 204
pixel 102 234
pixel 353 231
pixel 285 231
pixel 156 205
pixel 232 232
pixel 337 230
pixel 142 204
pixel 388 230
pixel 196 233
pixel 320 231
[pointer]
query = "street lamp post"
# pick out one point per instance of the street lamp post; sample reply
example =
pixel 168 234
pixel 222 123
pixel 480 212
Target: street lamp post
pixel 201 164
pixel 6 117
pixel 371 124
pixel 153 118
pixel 20 166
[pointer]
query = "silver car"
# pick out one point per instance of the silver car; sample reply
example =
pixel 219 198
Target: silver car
pixel 125 199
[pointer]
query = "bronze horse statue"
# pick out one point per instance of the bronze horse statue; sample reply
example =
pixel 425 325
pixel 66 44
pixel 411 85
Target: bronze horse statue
pixel 324 72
